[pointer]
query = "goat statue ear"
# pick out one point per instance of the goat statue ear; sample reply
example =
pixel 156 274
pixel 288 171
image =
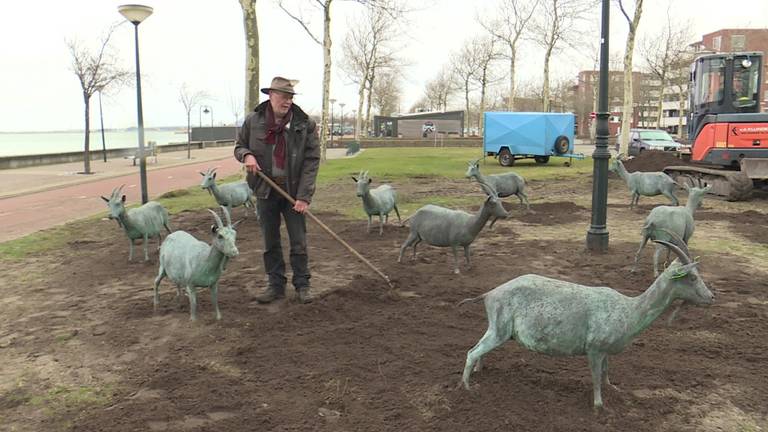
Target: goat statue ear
pixel 123 199
pixel 353 178
pixel 105 199
pixel 234 225
pixel 214 228
pixel 202 173
pixel 214 176
pixel 370 180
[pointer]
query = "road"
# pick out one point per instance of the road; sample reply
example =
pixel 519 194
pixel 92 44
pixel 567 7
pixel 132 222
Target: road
pixel 25 214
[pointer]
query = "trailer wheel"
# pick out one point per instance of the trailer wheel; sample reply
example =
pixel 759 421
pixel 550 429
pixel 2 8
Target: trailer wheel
pixel 505 158
pixel 541 159
pixel 562 144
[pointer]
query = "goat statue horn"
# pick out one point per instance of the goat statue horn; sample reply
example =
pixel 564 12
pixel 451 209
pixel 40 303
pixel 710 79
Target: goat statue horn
pixel 226 215
pixel 676 245
pixel 488 189
pixel 217 218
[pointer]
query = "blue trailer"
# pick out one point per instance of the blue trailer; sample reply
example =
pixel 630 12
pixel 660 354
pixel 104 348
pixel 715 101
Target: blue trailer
pixel 522 135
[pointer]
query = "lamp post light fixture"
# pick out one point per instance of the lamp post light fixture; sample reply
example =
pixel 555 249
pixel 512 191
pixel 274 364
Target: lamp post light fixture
pixel 136 14
pixel 597 235
pixel 332 101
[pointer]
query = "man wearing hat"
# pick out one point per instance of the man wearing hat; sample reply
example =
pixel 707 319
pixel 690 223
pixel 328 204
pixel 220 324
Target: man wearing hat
pixel 280 140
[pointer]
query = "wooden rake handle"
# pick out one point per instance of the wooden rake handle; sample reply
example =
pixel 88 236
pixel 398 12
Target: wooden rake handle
pixel 325 227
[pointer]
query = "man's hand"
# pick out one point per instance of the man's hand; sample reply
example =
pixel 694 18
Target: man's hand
pixel 251 165
pixel 300 206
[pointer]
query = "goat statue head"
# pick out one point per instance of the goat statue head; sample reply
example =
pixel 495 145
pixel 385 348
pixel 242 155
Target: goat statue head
pixel 225 236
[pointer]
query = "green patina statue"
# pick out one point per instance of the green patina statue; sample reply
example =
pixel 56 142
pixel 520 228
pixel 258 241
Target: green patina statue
pixel 566 319
pixel 139 223
pixel 191 263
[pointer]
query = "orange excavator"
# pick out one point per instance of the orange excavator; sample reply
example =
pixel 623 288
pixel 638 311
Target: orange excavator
pixel 727 133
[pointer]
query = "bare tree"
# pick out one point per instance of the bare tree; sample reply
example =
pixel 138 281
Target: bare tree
pixel 439 89
pixel 664 53
pixel 96 70
pixel 464 67
pixel 557 25
pixel 366 49
pixel 190 99
pixel 508 27
pixel 628 109
pixel 386 92
pixel 324 7
pixel 251 27
pixel 487 54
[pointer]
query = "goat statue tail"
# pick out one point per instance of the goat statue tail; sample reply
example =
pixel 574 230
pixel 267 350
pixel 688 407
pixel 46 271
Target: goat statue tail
pixel 471 300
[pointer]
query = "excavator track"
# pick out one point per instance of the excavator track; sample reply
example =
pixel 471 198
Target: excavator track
pixel 731 185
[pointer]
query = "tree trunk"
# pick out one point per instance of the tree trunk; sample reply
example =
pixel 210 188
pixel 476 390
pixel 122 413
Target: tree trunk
pixel 326 78
pixel 369 103
pixel 545 91
pixel 87 148
pixel 480 124
pixel 466 102
pixel 511 102
pixel 681 101
pixel 251 27
pixel 660 105
pixel 189 136
pixel 360 100
pixel 628 110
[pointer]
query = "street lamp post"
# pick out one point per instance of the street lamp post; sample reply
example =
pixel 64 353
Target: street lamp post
pixel 342 122
pixel 332 101
pixel 136 14
pixel 597 236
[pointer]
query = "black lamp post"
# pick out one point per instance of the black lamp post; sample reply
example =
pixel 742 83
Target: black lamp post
pixel 136 14
pixel 333 102
pixel 597 236
pixel 342 122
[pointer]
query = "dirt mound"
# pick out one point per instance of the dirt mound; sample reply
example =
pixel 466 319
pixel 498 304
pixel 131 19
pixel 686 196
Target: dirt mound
pixel 649 161
pixel 550 213
pixel 751 224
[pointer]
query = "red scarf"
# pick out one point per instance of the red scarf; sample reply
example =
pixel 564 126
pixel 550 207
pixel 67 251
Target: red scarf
pixel 276 136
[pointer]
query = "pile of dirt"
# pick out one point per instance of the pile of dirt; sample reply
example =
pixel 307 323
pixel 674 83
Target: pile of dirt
pixel 649 161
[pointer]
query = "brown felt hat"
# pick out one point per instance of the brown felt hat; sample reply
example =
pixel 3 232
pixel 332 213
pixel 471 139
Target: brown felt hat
pixel 284 85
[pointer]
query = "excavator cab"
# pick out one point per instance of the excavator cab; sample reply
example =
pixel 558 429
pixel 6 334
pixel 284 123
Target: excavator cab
pixel 723 84
pixel 727 132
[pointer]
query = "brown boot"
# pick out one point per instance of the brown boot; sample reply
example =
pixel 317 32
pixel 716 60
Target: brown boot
pixel 303 295
pixel 270 294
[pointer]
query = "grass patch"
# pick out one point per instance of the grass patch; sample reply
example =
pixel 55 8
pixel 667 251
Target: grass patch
pixel 403 163
pixel 45 240
pixel 64 398
pixel 193 198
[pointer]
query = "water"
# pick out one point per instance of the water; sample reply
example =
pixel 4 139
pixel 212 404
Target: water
pixel 18 144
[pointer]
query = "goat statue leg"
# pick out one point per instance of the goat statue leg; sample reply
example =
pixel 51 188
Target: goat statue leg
pixel 192 294
pixel 637 255
pixel 145 244
pixel 215 299
pixel 455 259
pixel 400 221
pixel 466 257
pixel 381 224
pixel 412 237
pixel 656 258
pixel 490 340
pixel 596 366
pixel 130 251
pixel 158 279
pixel 368 230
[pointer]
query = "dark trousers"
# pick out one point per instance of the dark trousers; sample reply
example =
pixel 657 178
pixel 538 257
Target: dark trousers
pixel 270 210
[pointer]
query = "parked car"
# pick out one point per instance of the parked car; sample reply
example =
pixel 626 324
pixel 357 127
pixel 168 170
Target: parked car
pixel 641 140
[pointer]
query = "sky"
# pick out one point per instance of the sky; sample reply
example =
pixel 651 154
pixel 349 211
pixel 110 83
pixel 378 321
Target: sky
pixel 200 43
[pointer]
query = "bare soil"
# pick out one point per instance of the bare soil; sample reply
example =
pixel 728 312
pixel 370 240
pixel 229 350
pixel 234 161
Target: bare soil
pixel 82 349
pixel 653 161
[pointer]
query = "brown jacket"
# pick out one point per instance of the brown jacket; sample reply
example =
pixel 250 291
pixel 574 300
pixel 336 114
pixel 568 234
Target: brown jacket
pixel 302 155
